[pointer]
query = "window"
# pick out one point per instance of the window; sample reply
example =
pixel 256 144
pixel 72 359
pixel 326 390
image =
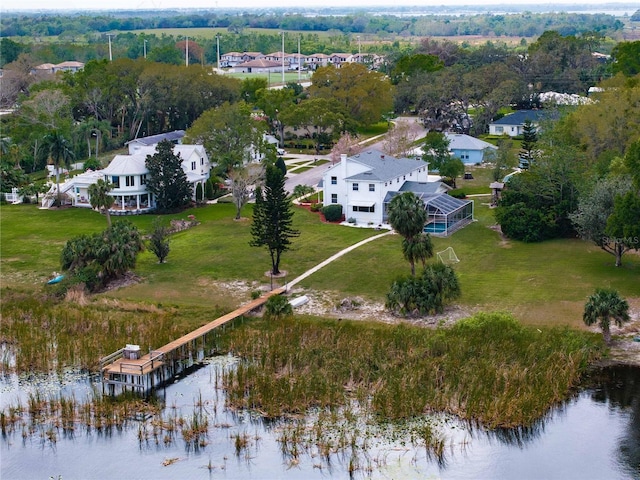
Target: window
pixel 499 130
pixel 143 179
pixel 202 161
pixel 115 181
pixel 129 180
pixel 356 187
pixel 334 198
pixel 193 165
pixel 370 209
pixel 334 180
pixel 372 187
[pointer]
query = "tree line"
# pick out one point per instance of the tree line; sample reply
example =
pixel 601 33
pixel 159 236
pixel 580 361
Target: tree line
pixel 526 24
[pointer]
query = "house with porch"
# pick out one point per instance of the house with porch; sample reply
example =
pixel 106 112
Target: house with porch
pixel 365 183
pixel 128 174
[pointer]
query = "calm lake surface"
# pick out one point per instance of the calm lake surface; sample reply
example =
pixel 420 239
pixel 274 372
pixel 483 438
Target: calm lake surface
pixel 595 435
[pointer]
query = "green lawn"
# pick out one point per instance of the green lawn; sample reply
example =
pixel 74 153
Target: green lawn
pixel 544 283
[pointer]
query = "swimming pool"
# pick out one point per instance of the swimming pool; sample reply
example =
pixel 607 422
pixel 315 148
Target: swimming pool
pixel 436 227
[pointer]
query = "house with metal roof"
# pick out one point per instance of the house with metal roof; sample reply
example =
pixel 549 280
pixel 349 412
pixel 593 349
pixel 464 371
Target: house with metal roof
pixel 128 174
pixel 365 183
pixel 469 149
pixel 513 124
pixel 136 144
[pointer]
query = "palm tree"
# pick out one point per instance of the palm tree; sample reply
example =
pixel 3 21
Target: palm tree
pixel 604 305
pixel 407 216
pixel 59 150
pixel 99 197
pixel 419 249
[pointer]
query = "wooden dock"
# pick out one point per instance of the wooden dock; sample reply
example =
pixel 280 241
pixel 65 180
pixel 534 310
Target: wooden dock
pixel 163 364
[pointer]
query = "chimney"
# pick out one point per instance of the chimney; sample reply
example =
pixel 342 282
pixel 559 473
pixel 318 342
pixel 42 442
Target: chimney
pixel 343 166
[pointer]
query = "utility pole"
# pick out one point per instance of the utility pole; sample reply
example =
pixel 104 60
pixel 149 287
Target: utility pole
pixel 283 58
pixel 186 54
pixel 144 46
pixel 110 55
pixel 299 59
pixel 218 52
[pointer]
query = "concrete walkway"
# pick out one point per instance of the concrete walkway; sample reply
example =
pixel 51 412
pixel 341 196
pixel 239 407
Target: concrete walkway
pixel 334 257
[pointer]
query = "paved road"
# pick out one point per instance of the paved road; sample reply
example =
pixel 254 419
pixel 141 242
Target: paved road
pixel 309 177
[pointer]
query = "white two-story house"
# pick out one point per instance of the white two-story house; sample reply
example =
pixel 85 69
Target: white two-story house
pixel 365 183
pixel 361 182
pixel 128 174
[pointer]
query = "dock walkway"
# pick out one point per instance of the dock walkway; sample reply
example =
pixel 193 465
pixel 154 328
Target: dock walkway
pixel 157 366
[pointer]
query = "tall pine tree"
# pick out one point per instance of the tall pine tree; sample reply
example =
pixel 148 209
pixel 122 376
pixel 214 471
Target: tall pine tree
pixel 273 218
pixel 167 180
pixel 528 146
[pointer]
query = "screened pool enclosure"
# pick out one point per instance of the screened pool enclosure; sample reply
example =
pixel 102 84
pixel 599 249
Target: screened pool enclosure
pixel 445 213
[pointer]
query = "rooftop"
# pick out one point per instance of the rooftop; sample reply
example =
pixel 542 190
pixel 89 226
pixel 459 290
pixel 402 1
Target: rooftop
pixel 384 167
pixel 519 117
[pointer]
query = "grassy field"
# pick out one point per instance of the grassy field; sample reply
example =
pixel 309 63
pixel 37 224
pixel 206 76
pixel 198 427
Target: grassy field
pixel 544 283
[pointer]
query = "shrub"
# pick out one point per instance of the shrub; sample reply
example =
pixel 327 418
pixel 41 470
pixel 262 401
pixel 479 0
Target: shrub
pixel 111 253
pixel 458 194
pixel 199 193
pixel 302 190
pixel 159 240
pixel 209 190
pixel 315 207
pixel 277 307
pixel 92 164
pixel 332 213
pixel 427 294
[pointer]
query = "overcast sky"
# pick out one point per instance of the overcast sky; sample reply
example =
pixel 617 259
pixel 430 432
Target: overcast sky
pixel 160 4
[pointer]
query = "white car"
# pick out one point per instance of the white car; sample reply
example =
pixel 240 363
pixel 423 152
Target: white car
pixel 280 151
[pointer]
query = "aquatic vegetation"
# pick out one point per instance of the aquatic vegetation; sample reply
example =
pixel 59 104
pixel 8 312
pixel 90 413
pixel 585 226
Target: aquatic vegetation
pixel 41 333
pixel 488 368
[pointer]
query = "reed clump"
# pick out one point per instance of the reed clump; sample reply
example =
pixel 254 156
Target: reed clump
pixel 488 368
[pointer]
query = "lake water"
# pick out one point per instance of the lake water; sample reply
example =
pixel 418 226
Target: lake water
pixel 595 435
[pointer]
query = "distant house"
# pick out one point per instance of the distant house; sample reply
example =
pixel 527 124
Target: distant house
pixel 338 59
pixel 261 65
pixel 231 59
pixel 50 68
pixel 469 149
pixel 316 60
pixel 365 183
pixel 513 124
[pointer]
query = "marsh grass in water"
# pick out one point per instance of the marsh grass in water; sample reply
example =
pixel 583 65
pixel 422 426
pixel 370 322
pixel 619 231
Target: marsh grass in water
pixel 488 368
pixel 44 334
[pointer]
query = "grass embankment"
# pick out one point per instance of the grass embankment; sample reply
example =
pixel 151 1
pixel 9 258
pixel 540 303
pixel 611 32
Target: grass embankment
pixel 543 283
pixel 488 368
